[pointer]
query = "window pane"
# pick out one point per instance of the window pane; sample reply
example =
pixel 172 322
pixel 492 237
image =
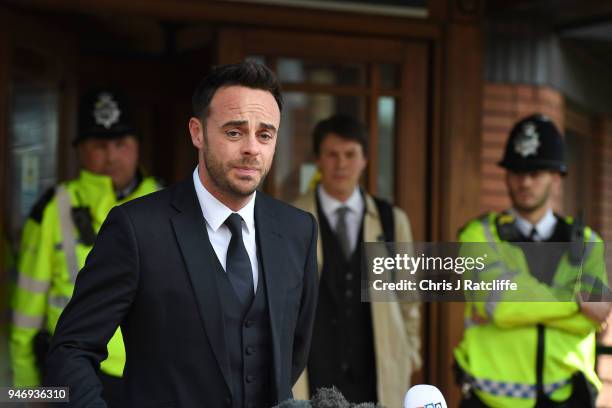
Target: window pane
pixel 300 71
pixel 33 153
pixel 385 144
pixel 389 76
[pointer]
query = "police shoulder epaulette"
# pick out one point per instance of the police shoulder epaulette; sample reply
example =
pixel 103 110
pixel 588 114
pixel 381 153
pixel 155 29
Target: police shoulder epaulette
pixel 39 208
pixel 565 228
pixel 572 229
pixel 568 219
pixel 505 218
pixel 506 228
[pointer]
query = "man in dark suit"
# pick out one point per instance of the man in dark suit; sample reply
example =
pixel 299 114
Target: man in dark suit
pixel 212 282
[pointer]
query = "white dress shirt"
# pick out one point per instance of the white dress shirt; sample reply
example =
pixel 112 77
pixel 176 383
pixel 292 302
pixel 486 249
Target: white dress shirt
pixel 545 228
pixel 215 213
pixel 355 204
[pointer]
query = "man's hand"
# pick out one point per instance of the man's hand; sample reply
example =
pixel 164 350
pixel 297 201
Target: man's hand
pixel 596 311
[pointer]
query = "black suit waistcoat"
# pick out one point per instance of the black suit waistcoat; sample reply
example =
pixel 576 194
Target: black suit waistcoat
pixel 342 352
pixel 247 334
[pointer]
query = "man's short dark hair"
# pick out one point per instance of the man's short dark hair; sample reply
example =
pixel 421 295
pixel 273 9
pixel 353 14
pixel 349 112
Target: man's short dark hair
pixel 249 73
pixel 345 126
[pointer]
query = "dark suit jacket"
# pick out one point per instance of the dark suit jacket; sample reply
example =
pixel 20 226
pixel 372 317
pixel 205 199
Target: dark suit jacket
pixel 151 272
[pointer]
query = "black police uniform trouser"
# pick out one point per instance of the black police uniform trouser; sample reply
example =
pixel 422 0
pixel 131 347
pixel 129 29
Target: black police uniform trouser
pixel 111 389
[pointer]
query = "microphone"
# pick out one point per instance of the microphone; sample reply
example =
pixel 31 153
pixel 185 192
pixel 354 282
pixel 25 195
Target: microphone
pixel 326 398
pixel 424 396
pixel 294 404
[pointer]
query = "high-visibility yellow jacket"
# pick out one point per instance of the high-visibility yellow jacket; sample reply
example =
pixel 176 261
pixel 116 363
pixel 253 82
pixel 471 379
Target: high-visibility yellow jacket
pixel 48 264
pixel 7 265
pixel 499 349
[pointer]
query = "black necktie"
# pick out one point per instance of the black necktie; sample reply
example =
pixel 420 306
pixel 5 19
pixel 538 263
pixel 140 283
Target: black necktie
pixel 533 234
pixel 238 264
pixel 342 231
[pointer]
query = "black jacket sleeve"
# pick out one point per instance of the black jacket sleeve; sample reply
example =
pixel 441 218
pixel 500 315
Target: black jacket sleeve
pixel 103 294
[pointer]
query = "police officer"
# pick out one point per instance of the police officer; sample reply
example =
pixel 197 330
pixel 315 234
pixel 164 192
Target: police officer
pixel 60 232
pixel 519 354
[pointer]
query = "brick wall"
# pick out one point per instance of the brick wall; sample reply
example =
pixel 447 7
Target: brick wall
pixel 603 179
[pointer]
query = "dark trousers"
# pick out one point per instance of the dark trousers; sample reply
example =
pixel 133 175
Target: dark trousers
pixel 111 389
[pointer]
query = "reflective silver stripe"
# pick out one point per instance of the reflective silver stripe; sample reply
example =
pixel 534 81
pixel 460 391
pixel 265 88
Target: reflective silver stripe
pixel 489 237
pixel 490 307
pixel 32 285
pixel 59 246
pixel 486 225
pixel 27 322
pixel 494 296
pixel 590 280
pixel 589 246
pixel 69 240
pixel 597 286
pixel 59 301
pixel 586 279
pixel 513 390
pixel 495 264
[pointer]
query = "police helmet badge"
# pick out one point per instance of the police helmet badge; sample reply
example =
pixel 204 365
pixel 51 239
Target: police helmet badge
pixel 527 141
pixel 106 111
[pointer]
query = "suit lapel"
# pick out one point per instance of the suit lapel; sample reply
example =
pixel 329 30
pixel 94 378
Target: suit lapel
pixel 308 202
pixel 272 249
pixel 190 229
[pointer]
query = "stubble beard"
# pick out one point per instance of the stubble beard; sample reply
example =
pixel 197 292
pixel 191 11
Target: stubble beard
pixel 541 202
pixel 219 173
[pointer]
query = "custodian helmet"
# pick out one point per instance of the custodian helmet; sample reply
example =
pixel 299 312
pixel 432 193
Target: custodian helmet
pixel 106 114
pixel 535 143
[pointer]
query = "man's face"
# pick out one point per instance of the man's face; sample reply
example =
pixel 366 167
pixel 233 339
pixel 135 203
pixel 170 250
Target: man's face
pixel 341 162
pixel 116 158
pixel 237 144
pixel 530 191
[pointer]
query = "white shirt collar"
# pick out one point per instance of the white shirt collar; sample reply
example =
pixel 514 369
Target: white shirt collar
pixel 330 205
pixel 545 228
pixel 215 212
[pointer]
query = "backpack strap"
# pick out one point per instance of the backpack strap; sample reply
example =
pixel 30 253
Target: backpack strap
pixel 387 221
